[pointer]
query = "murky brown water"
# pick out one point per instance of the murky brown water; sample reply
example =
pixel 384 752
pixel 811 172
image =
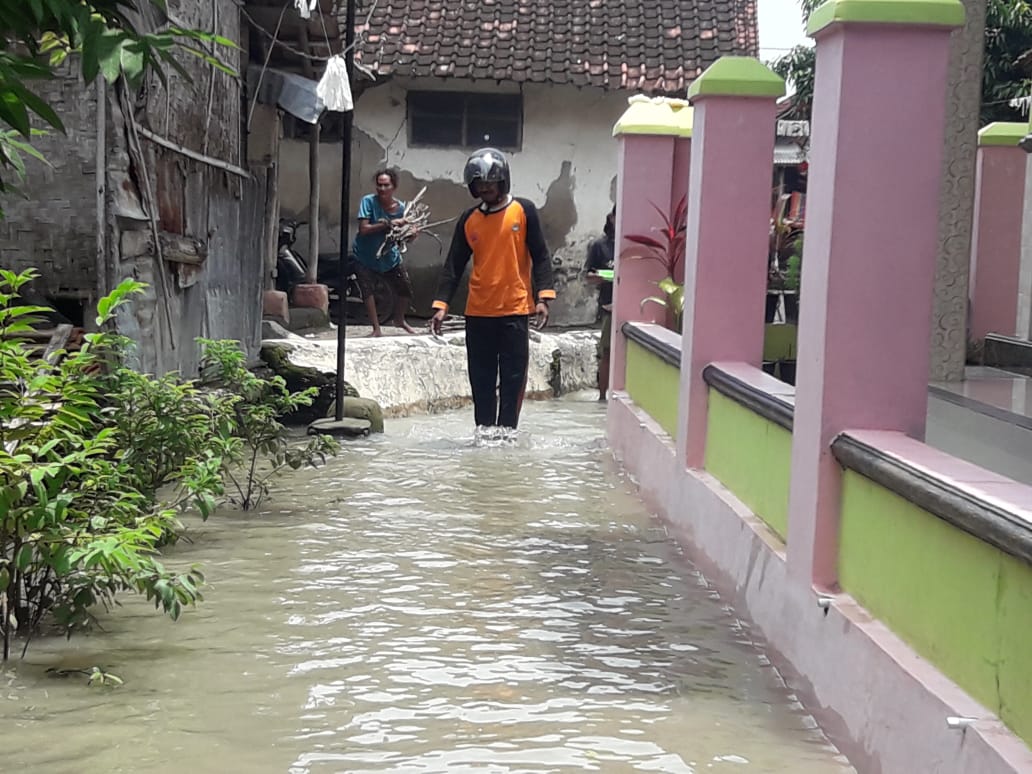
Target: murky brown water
pixel 421 605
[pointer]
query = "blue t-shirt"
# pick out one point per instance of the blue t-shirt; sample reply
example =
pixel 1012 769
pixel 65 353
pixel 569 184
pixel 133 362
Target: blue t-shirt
pixel 365 247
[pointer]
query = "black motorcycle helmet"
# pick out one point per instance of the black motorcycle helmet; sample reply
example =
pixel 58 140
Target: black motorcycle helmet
pixel 489 165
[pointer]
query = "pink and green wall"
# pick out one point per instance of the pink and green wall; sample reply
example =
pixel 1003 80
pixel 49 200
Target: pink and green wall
pixel 893 579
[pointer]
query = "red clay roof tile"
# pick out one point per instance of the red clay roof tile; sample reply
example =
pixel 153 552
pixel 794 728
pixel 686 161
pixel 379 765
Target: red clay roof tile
pixel 655 46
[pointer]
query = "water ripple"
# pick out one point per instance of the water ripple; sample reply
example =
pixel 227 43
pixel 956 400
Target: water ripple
pixel 426 603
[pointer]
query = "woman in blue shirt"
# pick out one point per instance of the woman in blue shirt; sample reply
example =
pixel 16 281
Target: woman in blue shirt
pixel 376 213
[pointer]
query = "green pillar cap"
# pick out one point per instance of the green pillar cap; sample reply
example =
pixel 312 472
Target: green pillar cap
pixel 1006 133
pixel 656 115
pixel 737 76
pixel 936 13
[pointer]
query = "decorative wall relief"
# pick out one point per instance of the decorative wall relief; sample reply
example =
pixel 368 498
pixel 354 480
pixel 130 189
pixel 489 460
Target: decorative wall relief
pixel 956 199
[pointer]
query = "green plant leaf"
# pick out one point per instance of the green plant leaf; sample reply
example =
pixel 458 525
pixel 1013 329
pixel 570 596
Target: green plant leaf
pixel 14 112
pixel 668 286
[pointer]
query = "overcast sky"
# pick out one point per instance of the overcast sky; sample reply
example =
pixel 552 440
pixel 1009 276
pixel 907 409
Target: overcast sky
pixel 781 27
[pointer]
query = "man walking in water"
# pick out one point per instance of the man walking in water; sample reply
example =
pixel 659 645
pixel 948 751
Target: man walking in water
pixel 511 280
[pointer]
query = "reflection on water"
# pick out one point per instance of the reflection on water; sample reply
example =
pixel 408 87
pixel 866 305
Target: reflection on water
pixel 425 604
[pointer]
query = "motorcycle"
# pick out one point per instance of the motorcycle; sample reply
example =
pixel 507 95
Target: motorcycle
pixel 291 268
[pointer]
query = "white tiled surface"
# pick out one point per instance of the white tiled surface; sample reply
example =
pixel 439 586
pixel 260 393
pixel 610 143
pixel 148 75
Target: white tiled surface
pixel 992 442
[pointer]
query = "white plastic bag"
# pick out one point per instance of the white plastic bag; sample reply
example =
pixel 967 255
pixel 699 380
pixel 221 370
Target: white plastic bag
pixel 334 89
pixel 305 7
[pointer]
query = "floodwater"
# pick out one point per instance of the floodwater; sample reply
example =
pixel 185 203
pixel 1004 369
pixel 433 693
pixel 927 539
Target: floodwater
pixel 422 604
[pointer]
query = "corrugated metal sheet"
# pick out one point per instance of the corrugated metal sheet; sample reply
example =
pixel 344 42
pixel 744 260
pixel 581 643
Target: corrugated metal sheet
pixel 288 91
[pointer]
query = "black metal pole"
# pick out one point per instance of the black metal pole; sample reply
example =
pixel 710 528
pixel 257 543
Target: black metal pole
pixel 345 210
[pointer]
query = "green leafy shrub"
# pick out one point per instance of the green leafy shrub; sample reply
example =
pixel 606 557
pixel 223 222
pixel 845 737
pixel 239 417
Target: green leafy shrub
pixel 97 460
pixel 77 522
pixel 794 270
pixel 258 436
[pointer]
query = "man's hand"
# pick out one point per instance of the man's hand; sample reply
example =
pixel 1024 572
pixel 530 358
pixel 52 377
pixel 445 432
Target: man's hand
pixel 437 321
pixel 541 315
pixel 593 278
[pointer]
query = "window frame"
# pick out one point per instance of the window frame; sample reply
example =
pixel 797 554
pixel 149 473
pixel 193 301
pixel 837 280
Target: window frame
pixel 516 116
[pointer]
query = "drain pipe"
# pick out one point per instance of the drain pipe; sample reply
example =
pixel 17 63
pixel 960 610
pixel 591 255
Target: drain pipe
pixel 345 210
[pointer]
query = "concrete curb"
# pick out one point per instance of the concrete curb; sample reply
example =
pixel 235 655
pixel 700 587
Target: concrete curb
pixel 421 373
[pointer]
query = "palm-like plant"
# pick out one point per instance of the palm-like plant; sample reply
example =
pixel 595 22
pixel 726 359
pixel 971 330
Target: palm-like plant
pixel 668 250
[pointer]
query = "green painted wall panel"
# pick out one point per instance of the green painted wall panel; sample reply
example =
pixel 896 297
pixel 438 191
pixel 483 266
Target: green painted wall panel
pixel 779 341
pixel 1015 619
pixel 959 602
pixel 654 385
pixel 752 457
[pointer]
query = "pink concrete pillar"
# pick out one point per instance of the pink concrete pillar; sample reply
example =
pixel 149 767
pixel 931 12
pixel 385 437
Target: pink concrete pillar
pixel 996 239
pixel 870 250
pixel 647 133
pixel 728 230
pixel 679 185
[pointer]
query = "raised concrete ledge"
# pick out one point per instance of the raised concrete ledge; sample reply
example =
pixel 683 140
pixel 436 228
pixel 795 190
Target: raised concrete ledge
pixel 981 407
pixel 755 389
pixel 884 706
pixel 751 387
pixel 990 507
pixel 661 342
pixel 423 374
pixel 1002 351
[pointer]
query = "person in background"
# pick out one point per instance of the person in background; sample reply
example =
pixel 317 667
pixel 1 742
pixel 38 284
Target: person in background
pixel 376 213
pixel 601 254
pixel 510 282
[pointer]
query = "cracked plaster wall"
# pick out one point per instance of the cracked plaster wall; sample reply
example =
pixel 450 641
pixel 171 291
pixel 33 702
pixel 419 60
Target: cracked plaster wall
pixel 567 167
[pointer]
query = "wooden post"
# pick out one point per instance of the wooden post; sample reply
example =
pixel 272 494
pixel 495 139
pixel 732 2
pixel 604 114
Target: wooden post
pixel 312 275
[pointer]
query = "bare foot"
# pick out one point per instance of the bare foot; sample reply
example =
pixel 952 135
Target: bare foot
pixel 405 326
pixel 376 334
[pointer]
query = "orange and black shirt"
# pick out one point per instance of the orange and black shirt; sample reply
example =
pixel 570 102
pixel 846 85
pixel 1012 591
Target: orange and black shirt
pixel 510 261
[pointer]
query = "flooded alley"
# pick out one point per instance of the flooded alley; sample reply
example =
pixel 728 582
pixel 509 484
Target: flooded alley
pixel 422 604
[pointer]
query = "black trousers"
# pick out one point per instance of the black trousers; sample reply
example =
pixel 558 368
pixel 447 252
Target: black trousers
pixel 498 351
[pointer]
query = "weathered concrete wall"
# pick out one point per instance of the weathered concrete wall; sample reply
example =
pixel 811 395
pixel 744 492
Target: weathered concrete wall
pixel 957 198
pixel 409 374
pixel 567 167
pixel 54 227
pixel 83 252
pixel 219 210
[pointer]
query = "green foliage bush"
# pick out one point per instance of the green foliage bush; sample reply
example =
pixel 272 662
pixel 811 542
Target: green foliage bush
pixel 75 525
pixel 97 461
pixel 257 434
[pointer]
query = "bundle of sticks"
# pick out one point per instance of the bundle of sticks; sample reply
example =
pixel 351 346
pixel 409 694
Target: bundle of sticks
pixel 416 221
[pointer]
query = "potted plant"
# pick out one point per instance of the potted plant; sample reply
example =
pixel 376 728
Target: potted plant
pixel 668 250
